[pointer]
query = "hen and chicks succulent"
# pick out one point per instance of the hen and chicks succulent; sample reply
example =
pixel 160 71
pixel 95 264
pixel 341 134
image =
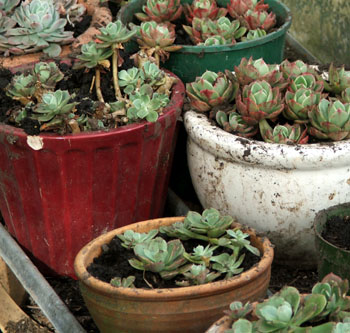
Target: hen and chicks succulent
pixel 37 25
pixel 284 103
pixel 325 310
pixel 139 92
pixel 210 24
pixel 203 264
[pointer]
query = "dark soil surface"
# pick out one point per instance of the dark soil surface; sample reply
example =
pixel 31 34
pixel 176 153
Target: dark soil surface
pixel 113 262
pixel 337 231
pixel 180 182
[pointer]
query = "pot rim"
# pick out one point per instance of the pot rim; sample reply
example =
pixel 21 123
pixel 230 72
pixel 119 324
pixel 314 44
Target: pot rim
pixel 175 104
pixel 218 287
pixel 241 45
pixel 235 149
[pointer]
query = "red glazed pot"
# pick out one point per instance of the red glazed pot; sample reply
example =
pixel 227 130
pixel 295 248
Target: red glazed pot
pixel 168 310
pixel 74 188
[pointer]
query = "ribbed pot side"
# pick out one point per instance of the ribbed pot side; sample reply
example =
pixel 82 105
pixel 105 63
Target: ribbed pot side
pixel 56 199
pixel 186 309
pixel 275 189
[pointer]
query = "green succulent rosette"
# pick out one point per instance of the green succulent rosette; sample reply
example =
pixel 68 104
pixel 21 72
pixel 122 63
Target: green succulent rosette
pixel 306 81
pixel 330 120
pixel 252 70
pixel 160 11
pixel 203 9
pixel 291 70
pixel 338 80
pixel 299 103
pixel 209 90
pixel 283 134
pixel 258 101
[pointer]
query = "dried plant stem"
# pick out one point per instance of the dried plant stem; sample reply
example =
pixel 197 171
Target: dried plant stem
pixel 156 55
pixel 98 85
pixel 118 93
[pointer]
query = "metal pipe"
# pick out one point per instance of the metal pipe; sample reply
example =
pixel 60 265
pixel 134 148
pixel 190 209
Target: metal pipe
pixel 37 286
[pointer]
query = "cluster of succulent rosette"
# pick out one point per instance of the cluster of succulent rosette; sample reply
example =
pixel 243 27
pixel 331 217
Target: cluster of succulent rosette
pixel 140 92
pixel 283 103
pixel 170 260
pixel 37 25
pixel 325 310
pixel 210 24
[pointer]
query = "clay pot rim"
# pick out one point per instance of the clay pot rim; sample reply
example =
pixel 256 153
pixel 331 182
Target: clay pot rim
pixel 219 287
pixel 175 104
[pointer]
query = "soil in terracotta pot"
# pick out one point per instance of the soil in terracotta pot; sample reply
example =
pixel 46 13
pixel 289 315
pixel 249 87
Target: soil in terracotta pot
pixel 113 262
pixel 337 231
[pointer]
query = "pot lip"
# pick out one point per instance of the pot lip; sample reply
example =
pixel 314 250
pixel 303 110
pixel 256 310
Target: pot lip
pixel 241 45
pixel 175 105
pixel 318 221
pixel 166 293
pixel 282 156
pixel 93 8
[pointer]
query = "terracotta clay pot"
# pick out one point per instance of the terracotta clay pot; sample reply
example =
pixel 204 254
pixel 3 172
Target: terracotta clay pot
pixel 100 17
pixel 58 192
pixel 184 309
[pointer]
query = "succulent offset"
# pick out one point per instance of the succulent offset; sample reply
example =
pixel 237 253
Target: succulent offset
pixel 330 120
pixel 210 90
pixel 325 310
pixel 258 101
pixel 203 9
pixel 38 27
pixel 160 11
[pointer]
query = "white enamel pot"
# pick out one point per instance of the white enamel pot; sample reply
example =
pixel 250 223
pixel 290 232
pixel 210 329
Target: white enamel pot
pixel 275 188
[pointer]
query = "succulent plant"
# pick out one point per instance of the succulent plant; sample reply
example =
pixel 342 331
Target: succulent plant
pixel 235 124
pixel 239 240
pixel 112 37
pixel 299 103
pixel 130 238
pixel 93 57
pixel 160 11
pixel 159 256
pixel 214 40
pixel 71 9
pixel 291 70
pixel 129 79
pixel 330 120
pixel 157 39
pixel 22 88
pixel 338 79
pixel 256 19
pixel 254 34
pixel 210 90
pixel 238 8
pixel 203 9
pixel 258 101
pixel 226 263
pixel 238 310
pixel 345 95
pixel 252 70
pixel 8 6
pixel 145 105
pixel 201 254
pixel 39 27
pixel 48 74
pixel 202 29
pixel 54 109
pixel 306 81
pixel 123 282
pixel 210 222
pixel 196 275
pixel 285 134
pixel 152 75
pixel 288 311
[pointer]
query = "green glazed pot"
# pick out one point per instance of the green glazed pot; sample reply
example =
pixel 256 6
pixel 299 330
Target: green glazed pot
pixel 331 259
pixel 192 61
